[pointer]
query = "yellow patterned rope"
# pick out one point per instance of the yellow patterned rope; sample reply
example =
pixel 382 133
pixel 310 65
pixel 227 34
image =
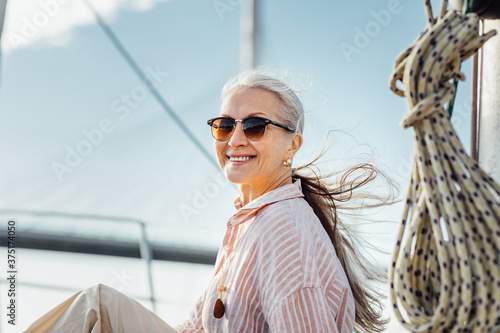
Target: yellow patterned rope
pixel 445 274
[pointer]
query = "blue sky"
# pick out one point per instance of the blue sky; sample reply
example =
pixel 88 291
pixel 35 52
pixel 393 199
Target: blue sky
pixel 68 81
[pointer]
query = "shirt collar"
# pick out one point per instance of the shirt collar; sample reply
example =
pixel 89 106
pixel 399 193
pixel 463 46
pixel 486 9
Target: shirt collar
pixel 281 193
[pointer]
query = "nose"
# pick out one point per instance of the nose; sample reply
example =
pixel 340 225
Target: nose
pixel 238 139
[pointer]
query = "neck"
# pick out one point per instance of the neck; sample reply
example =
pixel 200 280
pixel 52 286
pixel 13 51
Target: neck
pixel 251 192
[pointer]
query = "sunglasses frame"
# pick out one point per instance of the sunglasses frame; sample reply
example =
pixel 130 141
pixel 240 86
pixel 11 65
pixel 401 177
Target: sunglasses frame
pixel 266 122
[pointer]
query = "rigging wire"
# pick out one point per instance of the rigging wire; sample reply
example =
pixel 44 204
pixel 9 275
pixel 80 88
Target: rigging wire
pixel 138 71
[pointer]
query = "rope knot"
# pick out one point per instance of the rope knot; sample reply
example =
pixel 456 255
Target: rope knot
pixel 426 68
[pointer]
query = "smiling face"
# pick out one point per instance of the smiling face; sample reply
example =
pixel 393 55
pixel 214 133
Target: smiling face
pixel 255 163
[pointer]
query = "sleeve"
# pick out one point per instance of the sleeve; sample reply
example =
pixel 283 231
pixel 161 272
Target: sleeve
pixel 306 310
pixel 194 323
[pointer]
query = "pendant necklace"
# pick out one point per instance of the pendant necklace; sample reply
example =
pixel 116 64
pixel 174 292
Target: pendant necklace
pixel 219 308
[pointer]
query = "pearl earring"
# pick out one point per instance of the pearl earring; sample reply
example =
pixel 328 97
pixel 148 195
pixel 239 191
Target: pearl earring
pixel 287 163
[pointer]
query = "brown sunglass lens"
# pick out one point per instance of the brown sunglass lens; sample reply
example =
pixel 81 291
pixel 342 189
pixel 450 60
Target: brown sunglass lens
pixel 222 129
pixel 254 128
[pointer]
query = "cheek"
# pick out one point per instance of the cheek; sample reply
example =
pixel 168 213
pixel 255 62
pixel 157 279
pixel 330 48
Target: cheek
pixel 219 148
pixel 273 150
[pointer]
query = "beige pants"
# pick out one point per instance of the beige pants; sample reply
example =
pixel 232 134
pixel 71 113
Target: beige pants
pixel 99 309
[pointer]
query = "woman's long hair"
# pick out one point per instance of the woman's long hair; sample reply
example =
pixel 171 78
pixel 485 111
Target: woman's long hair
pixel 328 192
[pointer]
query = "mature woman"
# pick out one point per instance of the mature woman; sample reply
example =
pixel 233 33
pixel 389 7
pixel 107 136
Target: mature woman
pixel 286 264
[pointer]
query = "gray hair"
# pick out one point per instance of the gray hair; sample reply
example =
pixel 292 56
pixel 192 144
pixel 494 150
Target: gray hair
pixel 292 111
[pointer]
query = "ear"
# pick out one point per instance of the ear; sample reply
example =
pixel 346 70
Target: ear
pixel 294 146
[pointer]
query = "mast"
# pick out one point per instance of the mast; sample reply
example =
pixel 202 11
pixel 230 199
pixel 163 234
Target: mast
pixel 248 34
pixel 488 126
pixel 3 6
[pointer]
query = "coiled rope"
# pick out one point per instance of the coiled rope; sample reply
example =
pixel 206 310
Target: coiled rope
pixel 445 275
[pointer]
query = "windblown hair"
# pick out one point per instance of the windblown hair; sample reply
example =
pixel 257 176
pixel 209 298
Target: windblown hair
pixel 326 193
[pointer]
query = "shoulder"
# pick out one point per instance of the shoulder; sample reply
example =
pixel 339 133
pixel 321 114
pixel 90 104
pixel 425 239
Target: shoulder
pixel 290 237
pixel 295 255
pixel 291 221
pixel 291 211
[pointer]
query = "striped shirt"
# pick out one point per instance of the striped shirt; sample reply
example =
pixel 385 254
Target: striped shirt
pixel 281 272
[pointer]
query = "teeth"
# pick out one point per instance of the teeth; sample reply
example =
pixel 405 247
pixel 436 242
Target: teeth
pixel 239 159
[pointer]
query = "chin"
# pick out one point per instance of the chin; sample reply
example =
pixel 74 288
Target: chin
pixel 237 178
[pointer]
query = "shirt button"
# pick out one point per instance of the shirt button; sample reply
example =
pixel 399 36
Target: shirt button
pixel 233 222
pixel 227 247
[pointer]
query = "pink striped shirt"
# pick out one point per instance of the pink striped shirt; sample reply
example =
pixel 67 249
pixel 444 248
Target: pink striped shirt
pixel 281 275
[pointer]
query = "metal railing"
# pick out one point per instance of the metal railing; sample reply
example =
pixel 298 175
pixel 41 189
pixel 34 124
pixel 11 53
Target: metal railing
pixel 143 248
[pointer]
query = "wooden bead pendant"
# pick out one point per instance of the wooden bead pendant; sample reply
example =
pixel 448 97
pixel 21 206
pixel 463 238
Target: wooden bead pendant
pixel 219 308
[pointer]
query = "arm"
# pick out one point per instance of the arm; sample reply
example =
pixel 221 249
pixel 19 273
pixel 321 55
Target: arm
pixel 307 310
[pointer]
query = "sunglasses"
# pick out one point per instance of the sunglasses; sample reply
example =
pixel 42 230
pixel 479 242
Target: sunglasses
pixel 253 127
